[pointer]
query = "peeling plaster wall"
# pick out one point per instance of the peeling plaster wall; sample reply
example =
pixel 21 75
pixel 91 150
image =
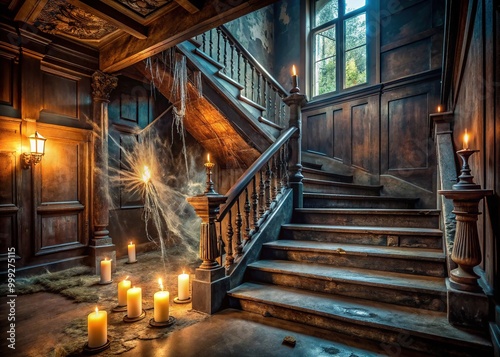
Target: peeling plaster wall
pixel 287 41
pixel 255 32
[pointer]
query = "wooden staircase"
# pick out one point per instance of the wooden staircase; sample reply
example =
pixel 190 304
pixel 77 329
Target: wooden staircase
pixel 358 263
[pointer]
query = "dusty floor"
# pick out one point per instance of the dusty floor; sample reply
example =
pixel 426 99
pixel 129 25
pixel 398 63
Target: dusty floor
pixel 50 324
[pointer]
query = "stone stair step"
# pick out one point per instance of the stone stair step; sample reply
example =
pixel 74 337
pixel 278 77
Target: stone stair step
pixel 388 236
pixel 325 200
pixel 327 186
pixel 422 330
pixel 423 292
pixel 430 262
pixel 313 173
pixel 424 218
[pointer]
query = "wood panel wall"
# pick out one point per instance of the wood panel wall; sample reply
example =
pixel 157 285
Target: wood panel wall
pixel 44 209
pixel 383 129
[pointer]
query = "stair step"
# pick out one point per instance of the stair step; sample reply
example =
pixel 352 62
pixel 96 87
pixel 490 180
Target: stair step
pixel 313 173
pixel 424 218
pixel 327 186
pixel 430 262
pixel 423 292
pixel 325 200
pixel 388 236
pixel 312 165
pixel 417 329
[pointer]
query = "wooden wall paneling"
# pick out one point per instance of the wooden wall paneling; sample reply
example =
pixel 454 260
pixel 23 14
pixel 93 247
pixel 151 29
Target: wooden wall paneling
pixel 341 129
pixel 31 89
pixel 407 150
pixel 61 183
pixel 60 95
pixel 318 133
pixel 361 143
pixel 9 86
pixel 395 62
pixel 10 187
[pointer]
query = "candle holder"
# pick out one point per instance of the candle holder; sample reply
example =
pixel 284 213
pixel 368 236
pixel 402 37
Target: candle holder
pixel 105 282
pixel 185 301
pixel 134 319
pixel 170 322
pixel 465 180
pixel 210 184
pixel 95 350
pixel 119 308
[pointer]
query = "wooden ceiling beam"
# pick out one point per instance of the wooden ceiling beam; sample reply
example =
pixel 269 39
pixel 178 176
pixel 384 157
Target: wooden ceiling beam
pixel 190 5
pixel 171 29
pixel 29 11
pixel 113 16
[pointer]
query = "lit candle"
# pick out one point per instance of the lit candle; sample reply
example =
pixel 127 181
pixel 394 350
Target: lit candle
pixel 183 286
pixel 295 81
pixel 131 252
pixel 105 270
pixel 439 109
pixel 161 304
pixel 134 302
pixel 208 158
pixel 466 140
pixel 123 286
pixel 97 325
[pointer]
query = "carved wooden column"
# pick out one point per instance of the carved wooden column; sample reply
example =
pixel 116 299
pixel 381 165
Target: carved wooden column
pixel 210 283
pixel 101 243
pixel 467 303
pixel 295 101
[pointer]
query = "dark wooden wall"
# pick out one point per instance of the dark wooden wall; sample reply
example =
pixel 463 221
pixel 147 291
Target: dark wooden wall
pixel 470 90
pixel 383 128
pixel 44 209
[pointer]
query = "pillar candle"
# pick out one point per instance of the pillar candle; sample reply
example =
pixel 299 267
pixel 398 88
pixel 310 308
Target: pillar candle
pixel 123 287
pixel 134 302
pixel 97 324
pixel 131 252
pixel 183 286
pixel 105 270
pixel 161 304
pixel 295 80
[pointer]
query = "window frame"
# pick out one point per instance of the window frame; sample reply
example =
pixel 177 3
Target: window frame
pixel 339 24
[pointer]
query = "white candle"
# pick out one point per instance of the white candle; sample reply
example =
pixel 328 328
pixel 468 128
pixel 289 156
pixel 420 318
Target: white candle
pixel 97 324
pixel 183 286
pixel 131 252
pixel 105 270
pixel 123 287
pixel 134 302
pixel 161 304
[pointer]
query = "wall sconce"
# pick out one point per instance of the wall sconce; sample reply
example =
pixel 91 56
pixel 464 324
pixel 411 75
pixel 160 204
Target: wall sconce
pixel 37 146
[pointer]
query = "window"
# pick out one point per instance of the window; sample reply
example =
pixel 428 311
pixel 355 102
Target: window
pixel 339 45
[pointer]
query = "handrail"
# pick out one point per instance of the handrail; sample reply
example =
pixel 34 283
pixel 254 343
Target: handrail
pixel 253 61
pixel 236 190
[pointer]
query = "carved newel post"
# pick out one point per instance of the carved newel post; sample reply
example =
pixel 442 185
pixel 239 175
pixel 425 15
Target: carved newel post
pixel 295 101
pixel 101 244
pixel 466 301
pixel 210 283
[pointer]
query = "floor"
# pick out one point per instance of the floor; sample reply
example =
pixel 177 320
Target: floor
pixel 49 324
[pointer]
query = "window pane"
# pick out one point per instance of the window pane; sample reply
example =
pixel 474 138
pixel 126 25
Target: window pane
pixel 325 44
pixel 351 5
pixel 355 66
pixel 325 76
pixel 355 32
pixel 325 10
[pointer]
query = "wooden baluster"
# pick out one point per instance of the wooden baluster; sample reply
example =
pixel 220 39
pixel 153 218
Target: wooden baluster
pixel 270 103
pixel 247 216
pixel 259 77
pixel 204 42
pixel 253 83
pixel 238 63
pixel 275 178
pixel 211 43
pixel 264 100
pixel 284 170
pixel 267 186
pixel 255 205
pixel 245 84
pixel 226 64
pixel 220 245
pixel 233 73
pixel 262 195
pixel 218 45
pixel 229 233
pixel 238 223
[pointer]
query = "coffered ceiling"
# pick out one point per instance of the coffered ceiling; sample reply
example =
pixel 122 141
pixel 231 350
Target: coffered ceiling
pixel 127 31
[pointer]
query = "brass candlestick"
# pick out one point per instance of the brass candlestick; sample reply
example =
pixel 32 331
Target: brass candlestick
pixel 210 184
pixel 466 180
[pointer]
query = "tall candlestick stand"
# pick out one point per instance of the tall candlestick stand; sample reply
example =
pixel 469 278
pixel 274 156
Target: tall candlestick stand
pixel 210 184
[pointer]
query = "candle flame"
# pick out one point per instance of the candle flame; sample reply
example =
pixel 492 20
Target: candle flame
pixel 130 243
pixel 208 158
pixel 160 283
pixel 439 109
pixel 294 72
pixel 96 311
pixel 146 174
pixel 125 278
pixel 466 140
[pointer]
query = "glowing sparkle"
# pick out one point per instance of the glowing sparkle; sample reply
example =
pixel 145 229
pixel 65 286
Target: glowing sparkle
pixel 146 174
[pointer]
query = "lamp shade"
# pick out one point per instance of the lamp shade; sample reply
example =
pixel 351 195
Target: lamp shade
pixel 37 143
